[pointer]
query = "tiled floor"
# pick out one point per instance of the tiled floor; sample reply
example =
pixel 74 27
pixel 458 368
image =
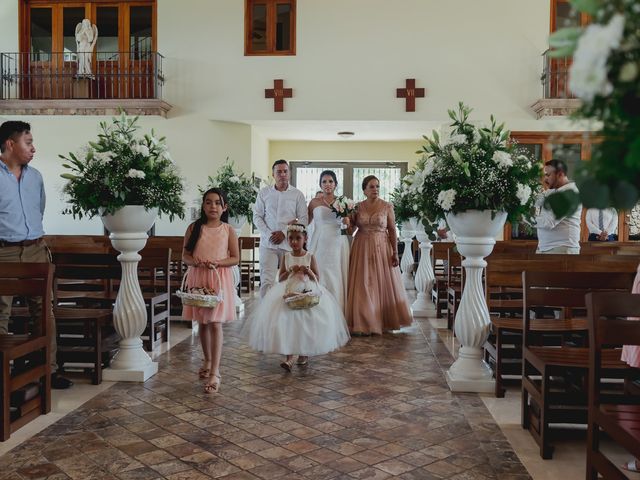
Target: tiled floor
pixel 378 408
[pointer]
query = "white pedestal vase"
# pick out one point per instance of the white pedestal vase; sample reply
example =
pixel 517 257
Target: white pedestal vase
pixel 475 232
pixel 128 227
pixel 422 306
pixel 407 232
pixel 237 223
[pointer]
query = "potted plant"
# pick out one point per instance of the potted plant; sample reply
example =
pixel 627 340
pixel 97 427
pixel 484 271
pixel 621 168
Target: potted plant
pixel 121 169
pixel 241 192
pixel 476 179
pixel 126 180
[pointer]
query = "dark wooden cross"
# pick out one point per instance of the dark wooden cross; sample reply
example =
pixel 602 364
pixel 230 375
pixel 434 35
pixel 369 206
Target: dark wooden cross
pixel 278 93
pixel 409 93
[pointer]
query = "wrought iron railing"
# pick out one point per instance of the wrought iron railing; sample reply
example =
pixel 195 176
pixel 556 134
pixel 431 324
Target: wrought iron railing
pixel 555 77
pixel 114 75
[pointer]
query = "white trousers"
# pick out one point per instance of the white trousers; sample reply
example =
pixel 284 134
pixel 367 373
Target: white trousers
pixel 270 259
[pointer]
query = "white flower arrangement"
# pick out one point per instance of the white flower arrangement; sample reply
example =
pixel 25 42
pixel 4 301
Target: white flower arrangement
pixel 483 172
pixel 241 191
pixel 589 75
pixel 121 169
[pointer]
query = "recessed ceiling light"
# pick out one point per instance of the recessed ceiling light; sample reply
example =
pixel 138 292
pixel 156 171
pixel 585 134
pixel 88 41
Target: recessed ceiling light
pixel 346 134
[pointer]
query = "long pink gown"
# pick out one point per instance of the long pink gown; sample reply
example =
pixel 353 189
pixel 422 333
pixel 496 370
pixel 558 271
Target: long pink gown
pixel 376 300
pixel 212 245
pixel 631 353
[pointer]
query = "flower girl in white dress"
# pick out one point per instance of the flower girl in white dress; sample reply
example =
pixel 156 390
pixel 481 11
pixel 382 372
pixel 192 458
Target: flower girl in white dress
pixel 274 327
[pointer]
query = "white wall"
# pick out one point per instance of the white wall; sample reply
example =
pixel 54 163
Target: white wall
pixel 352 55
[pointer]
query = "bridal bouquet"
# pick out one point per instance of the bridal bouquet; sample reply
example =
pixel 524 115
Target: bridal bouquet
pixel 343 207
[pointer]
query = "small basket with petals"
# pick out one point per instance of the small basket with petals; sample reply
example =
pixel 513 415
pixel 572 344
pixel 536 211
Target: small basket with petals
pixel 200 296
pixel 301 300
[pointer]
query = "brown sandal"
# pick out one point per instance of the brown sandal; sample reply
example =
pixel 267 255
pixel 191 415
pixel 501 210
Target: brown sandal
pixel 287 365
pixel 204 373
pixel 213 386
pixel 303 360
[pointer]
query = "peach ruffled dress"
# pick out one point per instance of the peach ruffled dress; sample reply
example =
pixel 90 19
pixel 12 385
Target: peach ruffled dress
pixel 212 245
pixel 376 300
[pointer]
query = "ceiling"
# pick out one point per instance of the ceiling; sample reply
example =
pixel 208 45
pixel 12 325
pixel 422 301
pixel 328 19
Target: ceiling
pixel 364 131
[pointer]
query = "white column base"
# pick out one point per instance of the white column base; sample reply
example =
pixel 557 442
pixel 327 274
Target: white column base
pixel 422 307
pixel 131 364
pixel 139 374
pixel 472 386
pixel 470 373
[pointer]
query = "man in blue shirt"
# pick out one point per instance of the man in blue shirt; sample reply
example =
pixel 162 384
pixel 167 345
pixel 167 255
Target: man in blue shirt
pixel 22 202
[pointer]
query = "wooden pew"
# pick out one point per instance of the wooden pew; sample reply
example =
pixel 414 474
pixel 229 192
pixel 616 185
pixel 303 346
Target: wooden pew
pixel 249 264
pixel 85 324
pixel 503 286
pixel 544 399
pixel 34 280
pixel 455 284
pixel 618 418
pixel 178 269
pixel 439 257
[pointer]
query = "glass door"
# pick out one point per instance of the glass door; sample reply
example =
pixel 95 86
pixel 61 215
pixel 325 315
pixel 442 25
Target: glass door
pixel 141 61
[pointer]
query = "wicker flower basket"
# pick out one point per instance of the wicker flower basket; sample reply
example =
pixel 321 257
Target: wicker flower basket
pixel 301 301
pixel 197 297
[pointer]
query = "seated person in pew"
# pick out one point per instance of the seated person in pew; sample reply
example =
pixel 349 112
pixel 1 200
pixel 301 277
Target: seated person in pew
pixel 22 202
pixel 602 224
pixel 557 235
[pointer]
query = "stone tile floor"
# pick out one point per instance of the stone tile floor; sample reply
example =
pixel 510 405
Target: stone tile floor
pixel 378 408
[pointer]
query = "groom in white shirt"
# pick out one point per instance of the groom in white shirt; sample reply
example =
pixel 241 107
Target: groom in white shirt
pixel 275 208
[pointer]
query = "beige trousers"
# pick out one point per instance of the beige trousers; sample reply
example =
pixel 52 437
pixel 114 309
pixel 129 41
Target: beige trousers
pixel 38 253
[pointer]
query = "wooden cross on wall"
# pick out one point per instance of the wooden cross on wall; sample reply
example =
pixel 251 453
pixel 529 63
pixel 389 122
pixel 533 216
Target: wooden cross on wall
pixel 278 93
pixel 409 93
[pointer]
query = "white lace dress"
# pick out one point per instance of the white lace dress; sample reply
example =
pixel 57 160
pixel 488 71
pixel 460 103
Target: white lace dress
pixel 275 328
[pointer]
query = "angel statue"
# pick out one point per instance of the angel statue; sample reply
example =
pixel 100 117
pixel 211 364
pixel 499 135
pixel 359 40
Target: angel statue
pixel 86 37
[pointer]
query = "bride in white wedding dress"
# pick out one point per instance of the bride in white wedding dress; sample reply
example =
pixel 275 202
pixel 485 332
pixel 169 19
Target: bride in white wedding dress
pixel 330 248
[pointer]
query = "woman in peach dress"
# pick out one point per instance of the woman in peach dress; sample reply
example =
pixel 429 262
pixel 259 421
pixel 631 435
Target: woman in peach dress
pixel 376 300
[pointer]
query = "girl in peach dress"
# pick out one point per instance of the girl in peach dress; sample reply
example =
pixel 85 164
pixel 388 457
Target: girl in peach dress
pixel 210 244
pixel 376 300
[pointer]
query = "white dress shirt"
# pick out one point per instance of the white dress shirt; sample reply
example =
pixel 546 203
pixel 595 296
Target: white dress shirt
pixel 609 217
pixel 274 210
pixel 558 232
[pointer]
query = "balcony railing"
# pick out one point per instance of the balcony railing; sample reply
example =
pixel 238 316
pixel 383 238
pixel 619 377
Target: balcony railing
pixel 555 77
pixel 54 76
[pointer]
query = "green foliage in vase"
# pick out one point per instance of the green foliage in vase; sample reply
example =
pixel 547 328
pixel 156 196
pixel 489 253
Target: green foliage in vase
pixel 241 191
pixel 403 206
pixel 121 169
pixel 605 75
